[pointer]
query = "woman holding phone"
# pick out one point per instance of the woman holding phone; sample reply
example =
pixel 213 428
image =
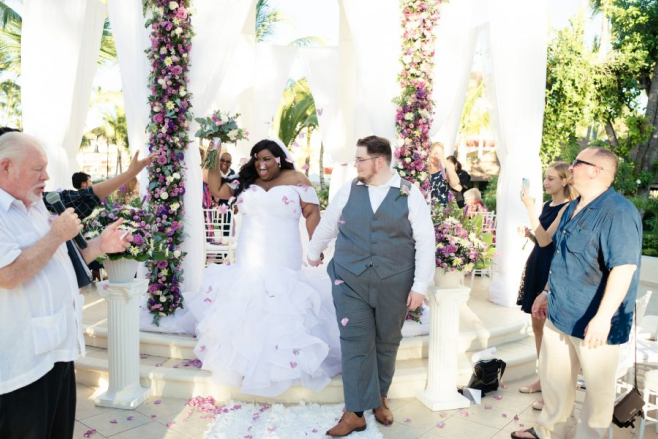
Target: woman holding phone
pixel 535 275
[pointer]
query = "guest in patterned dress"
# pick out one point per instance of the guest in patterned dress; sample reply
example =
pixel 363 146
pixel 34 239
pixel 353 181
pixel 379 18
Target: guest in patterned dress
pixel 443 175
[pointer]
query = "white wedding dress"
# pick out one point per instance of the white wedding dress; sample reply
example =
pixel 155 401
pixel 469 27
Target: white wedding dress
pixel 264 323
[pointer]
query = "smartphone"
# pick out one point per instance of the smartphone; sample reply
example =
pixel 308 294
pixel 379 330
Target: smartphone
pixel 526 184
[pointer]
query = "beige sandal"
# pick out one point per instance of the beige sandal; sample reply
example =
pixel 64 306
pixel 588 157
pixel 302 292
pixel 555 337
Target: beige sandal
pixel 539 404
pixel 530 389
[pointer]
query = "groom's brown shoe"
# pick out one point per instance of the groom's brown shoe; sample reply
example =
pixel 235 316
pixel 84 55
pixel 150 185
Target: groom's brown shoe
pixel 383 413
pixel 348 423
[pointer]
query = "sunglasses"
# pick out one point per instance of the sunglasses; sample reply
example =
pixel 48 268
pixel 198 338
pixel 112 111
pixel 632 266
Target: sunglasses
pixel 578 162
pixel 225 161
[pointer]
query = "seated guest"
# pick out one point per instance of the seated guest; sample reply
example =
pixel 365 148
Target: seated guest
pixel 473 202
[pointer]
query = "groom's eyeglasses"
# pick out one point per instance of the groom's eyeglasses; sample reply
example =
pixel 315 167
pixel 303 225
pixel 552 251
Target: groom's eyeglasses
pixel 225 161
pixel 359 161
pixel 578 162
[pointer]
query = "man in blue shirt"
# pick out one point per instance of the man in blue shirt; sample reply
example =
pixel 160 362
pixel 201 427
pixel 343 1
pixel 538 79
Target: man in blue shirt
pixel 589 301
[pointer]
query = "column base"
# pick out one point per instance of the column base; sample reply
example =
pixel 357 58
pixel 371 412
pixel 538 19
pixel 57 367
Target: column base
pixel 436 402
pixel 127 399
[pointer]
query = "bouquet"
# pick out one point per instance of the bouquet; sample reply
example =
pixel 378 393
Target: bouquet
pixel 460 242
pixel 147 243
pixel 222 127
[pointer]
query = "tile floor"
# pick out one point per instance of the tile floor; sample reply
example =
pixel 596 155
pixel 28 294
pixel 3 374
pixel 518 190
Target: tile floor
pixel 494 419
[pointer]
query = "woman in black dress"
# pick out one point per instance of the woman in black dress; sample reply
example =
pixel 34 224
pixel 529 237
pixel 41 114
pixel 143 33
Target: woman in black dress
pixel 535 274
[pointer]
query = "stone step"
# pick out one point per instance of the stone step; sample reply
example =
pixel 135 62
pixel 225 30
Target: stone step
pixel 169 377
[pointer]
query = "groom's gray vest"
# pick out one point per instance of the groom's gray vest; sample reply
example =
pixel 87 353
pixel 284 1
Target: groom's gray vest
pixel 381 240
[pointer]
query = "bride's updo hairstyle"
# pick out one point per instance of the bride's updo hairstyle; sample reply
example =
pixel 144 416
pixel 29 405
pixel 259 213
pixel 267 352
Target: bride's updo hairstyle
pixel 248 173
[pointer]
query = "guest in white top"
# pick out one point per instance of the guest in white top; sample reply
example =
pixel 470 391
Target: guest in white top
pixel 40 306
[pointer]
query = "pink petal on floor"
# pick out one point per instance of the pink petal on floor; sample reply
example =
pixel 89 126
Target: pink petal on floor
pixel 463 413
pixel 143 357
pixel 89 433
pixel 516 417
pixel 106 287
pixel 338 282
pixel 276 347
pixel 203 348
pixel 271 429
pixel 295 351
pixel 130 418
pixel 344 321
pixel 169 424
pixel 158 365
pixel 407 419
pixel 487 407
pixel 443 415
pixel 153 416
pixel 504 415
pixel 315 430
pixel 441 425
pixel 521 425
pixel 293 364
pixel 498 397
pixel 503 386
pixel 113 421
pixel 207 300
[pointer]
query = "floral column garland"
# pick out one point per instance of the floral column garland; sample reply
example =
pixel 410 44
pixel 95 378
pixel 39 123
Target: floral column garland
pixel 171 35
pixel 415 107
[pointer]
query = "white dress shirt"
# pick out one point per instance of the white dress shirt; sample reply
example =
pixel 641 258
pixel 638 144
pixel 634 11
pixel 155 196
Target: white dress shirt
pixel 40 319
pixel 419 217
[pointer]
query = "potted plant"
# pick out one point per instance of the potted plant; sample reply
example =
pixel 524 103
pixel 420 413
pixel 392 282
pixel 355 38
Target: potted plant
pixel 220 127
pixel 147 243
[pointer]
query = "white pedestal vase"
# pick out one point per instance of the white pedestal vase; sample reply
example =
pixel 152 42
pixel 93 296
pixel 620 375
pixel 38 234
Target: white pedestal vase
pixel 121 270
pixel 441 392
pixel 124 390
pixel 444 278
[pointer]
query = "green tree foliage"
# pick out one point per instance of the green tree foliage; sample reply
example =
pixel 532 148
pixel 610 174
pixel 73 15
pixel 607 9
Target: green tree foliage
pixel 569 90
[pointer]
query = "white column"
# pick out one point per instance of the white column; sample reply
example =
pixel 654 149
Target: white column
pixel 441 392
pixel 124 390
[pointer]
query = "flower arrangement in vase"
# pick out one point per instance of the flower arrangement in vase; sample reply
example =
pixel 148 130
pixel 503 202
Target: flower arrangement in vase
pixel 221 127
pixel 147 244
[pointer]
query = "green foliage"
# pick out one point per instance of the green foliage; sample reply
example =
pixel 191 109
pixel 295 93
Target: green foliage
pixel 648 208
pixel 266 20
pixel 297 112
pixel 628 182
pixel 489 194
pixel 568 91
pixel 323 196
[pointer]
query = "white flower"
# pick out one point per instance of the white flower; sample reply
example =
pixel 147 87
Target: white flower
pixel 638 181
pixel 163 298
pixel 173 5
pixel 175 206
pixel 157 109
pixel 422 176
pixel 403 174
pixel 176 175
pixel 162 82
pixel 162 314
pixel 164 195
pixel 409 116
pixel 407 59
pixel 178 31
pixel 177 253
pixel 407 160
pixel 182 91
pixel 223 117
pixel 232 134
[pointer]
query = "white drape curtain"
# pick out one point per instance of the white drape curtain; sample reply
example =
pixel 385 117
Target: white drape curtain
pixel 217 26
pixel 131 40
pixel 456 38
pixel 273 64
pixel 56 75
pixel 516 75
pixel 376 32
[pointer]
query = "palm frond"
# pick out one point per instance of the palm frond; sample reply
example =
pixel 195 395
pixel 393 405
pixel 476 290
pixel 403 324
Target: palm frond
pixel 310 41
pixel 9 17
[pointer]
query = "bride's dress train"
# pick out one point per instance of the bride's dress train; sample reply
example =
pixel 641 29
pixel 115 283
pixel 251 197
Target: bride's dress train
pixel 265 323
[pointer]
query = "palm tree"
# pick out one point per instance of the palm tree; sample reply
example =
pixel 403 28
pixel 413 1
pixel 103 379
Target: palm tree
pixel 475 116
pixel 114 130
pixel 266 20
pixel 10 96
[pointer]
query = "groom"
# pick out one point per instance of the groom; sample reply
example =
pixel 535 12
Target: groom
pixel 382 265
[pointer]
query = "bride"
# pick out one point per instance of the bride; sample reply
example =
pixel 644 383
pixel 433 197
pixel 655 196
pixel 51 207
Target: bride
pixel 264 323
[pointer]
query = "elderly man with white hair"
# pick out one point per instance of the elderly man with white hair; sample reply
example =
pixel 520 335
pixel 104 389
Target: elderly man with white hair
pixel 40 305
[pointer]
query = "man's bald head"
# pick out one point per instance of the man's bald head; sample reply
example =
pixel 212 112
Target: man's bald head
pixel 607 160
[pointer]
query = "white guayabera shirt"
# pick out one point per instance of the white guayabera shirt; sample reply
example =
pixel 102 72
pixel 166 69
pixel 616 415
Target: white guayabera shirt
pixel 419 217
pixel 40 319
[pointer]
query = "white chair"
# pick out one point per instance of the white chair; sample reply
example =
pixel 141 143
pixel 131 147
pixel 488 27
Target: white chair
pixel 220 233
pixel 488 226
